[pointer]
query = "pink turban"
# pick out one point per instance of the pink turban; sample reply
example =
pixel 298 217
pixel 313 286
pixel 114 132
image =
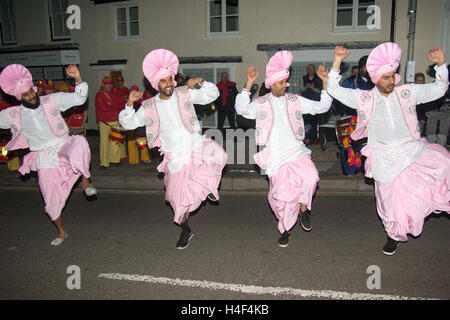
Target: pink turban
pixel 15 79
pixel 158 64
pixel 385 58
pixel 278 67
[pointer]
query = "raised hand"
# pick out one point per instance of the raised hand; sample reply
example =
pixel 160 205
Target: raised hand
pixel 252 74
pixel 193 81
pixel 437 56
pixel 73 72
pixel 322 73
pixel 133 97
pixel 341 53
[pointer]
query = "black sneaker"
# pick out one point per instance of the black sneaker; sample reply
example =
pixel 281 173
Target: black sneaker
pixel 390 246
pixel 284 240
pixel 183 242
pixel 305 220
pixel 212 197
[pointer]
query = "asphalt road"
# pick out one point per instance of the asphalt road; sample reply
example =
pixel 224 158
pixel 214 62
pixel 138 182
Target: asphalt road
pixel 234 246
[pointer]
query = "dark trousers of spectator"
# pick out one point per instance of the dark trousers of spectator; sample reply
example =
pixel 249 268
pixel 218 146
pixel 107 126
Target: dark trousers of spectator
pixel 312 136
pixel 229 113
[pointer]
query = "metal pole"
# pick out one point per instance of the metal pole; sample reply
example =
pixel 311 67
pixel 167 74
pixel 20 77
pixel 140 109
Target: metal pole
pixel 393 21
pixel 412 10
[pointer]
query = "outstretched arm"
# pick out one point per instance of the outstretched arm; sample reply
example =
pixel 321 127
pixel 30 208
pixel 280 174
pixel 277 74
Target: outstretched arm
pixel 207 93
pixel 349 97
pixel 65 100
pixel 432 91
pixel 243 105
pixel 129 118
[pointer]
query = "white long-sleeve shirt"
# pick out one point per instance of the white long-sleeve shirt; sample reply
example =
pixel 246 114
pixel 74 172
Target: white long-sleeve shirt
pixel 282 144
pixel 394 149
pixel 174 136
pixel 36 131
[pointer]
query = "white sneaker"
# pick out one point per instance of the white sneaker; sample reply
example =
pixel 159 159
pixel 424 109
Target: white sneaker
pixel 57 241
pixel 91 191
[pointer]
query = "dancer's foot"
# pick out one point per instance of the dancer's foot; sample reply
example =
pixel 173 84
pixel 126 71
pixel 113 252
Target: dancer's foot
pixel 283 242
pixel 183 242
pixel 212 197
pixel 60 239
pixel 390 246
pixel 305 220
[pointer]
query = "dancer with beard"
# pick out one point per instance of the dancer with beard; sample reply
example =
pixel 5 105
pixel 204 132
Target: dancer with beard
pixel 412 177
pixel 37 124
pixel 192 164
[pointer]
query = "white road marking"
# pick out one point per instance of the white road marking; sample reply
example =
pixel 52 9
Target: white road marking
pixel 327 294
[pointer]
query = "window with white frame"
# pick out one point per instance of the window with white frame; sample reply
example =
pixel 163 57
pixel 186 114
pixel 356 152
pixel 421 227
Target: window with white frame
pixel 8 22
pixel 58 19
pixel 352 15
pixel 223 17
pixel 127 22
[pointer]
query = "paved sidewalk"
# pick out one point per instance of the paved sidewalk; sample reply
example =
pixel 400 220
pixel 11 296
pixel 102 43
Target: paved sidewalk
pixel 236 177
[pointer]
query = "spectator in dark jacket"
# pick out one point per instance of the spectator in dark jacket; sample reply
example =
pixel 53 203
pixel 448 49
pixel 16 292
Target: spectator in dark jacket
pixel 226 101
pixel 312 87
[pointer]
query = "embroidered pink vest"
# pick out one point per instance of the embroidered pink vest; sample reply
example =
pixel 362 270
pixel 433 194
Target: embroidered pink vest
pixel 187 112
pixel 366 105
pixel 264 117
pixel 51 112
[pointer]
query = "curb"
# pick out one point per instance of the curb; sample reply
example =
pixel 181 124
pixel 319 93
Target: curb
pixel 231 184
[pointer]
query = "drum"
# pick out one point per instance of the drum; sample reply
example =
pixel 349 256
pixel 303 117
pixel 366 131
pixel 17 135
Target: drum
pixel 75 120
pixel 141 142
pixel 344 128
pixel 116 136
pixel 3 152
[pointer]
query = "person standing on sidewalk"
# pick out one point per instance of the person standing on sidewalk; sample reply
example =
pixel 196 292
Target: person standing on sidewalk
pixel 136 137
pixel 123 92
pixel 58 158
pixel 412 176
pixel 192 164
pixel 226 101
pixel 311 90
pixel 107 107
pixel 293 177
